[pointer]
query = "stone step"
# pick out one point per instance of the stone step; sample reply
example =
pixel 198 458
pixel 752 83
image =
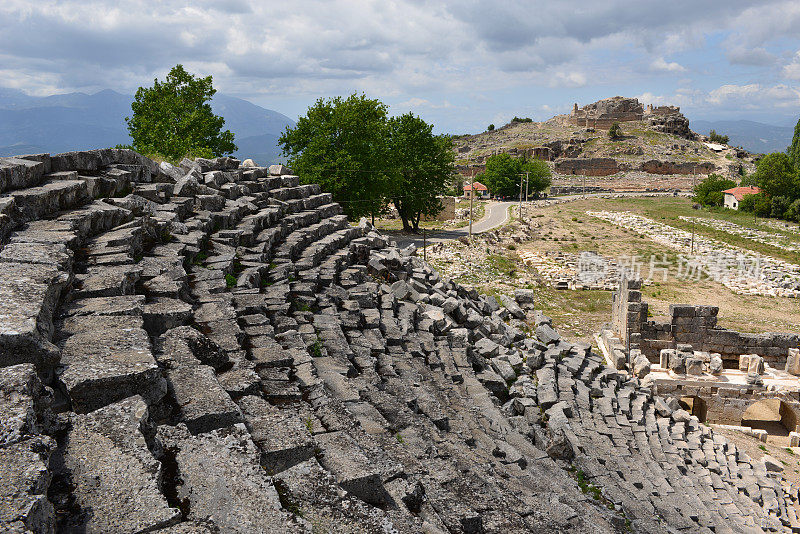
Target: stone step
pixel 50 197
pixel 282 434
pixel 106 359
pixel 221 481
pixel 29 294
pixel 107 461
pixel 21 173
pixel 24 482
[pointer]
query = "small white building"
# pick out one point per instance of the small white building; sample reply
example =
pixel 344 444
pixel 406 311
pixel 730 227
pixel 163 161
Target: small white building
pixel 735 195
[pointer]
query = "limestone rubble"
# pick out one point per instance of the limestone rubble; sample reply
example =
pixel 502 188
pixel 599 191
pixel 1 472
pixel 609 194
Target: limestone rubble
pixel 215 349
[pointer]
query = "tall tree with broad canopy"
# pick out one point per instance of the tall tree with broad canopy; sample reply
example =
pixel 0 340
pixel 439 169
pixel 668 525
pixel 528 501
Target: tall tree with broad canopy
pixel 341 145
pixel 422 168
pixel 538 175
pixel 173 119
pixel 503 175
pixel 776 176
pixel 709 192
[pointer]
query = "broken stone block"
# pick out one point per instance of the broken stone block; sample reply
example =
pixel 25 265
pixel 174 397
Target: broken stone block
pixel 715 366
pixel 793 362
pixel 662 408
pixel 29 294
pixel 354 471
pixel 105 365
pixel 794 439
pixel 24 403
pixel 755 365
pixel 102 281
pixel 24 481
pixel 204 404
pixel 641 366
pixel 126 305
pixel 694 366
pixel 163 314
pixel 108 462
pixel 282 435
pixel 220 479
pixel 754 379
pixel 178 340
pixel 524 297
pixel 51 254
pixel 547 334
pixel 677 362
pixel 771 464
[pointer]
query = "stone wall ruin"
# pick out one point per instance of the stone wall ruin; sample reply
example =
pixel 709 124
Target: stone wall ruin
pixel 692 325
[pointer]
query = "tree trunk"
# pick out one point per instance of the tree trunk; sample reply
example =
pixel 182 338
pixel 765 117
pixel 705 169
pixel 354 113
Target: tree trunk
pixel 403 216
pixel 416 222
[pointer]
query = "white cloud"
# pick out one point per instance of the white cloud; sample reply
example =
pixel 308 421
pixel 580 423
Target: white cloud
pixel 415 52
pixel 568 79
pixel 791 70
pixel 660 64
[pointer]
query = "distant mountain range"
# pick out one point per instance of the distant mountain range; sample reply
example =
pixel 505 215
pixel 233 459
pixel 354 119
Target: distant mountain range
pixel 755 137
pixel 77 121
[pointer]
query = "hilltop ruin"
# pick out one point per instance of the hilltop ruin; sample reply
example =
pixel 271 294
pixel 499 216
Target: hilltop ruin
pixel 214 348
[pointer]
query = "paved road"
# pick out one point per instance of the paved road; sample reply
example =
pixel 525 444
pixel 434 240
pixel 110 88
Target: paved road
pixel 496 214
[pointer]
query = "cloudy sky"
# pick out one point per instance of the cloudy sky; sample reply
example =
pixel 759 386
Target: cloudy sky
pixel 460 65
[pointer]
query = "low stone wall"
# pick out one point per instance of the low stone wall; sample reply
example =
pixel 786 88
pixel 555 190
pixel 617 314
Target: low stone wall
pixel 655 166
pixel 577 189
pixel 693 325
pixel 588 166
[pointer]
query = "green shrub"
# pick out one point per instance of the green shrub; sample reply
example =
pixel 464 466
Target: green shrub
pixel 615 132
pixel 714 137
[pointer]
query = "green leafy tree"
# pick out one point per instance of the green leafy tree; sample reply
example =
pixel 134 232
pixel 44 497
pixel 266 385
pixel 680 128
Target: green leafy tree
pixel 793 212
pixel 174 119
pixel 538 175
pixel 502 175
pixel 341 144
pixel 714 137
pixel 759 204
pixel 776 176
pixel 794 148
pixel 421 168
pixel 615 132
pixel 709 191
pixel 490 128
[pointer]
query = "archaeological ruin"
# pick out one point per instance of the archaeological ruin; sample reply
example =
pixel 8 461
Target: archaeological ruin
pixel 214 347
pixel 720 375
pixel 603 113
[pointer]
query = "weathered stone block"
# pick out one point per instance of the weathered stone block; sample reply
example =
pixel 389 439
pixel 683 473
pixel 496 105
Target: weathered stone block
pixel 24 481
pixel 281 433
pixel 28 296
pixel 104 366
pixel 108 461
pixel 221 480
pixel 353 470
pixel 793 362
pixel 204 404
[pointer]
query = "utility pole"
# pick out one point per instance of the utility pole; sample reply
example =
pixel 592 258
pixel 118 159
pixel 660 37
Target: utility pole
pixel 424 246
pixel 471 196
pixel 527 178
